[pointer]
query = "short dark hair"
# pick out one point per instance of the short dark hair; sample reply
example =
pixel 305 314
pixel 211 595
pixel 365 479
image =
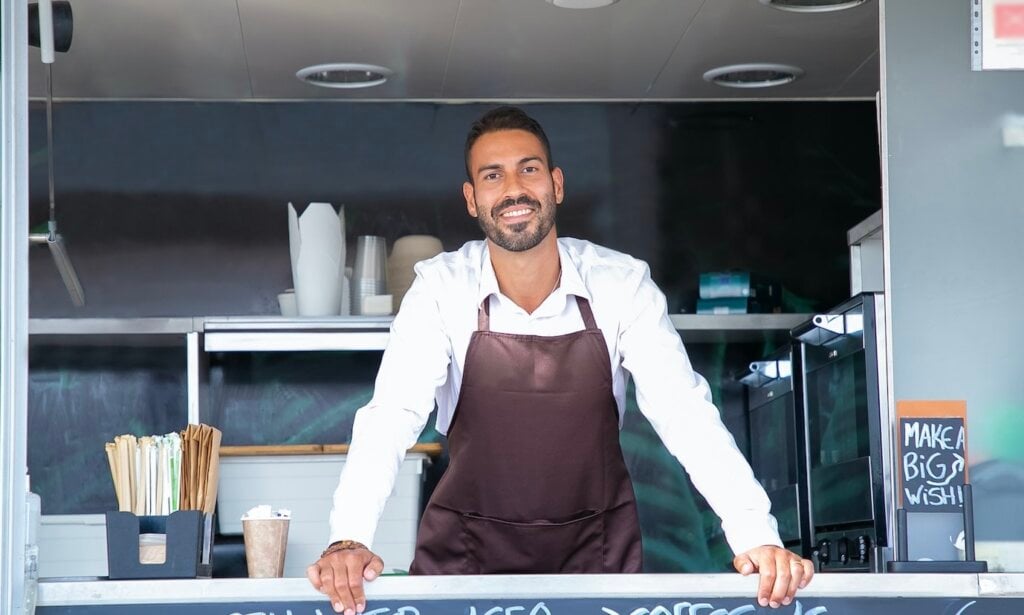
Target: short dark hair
pixel 506 118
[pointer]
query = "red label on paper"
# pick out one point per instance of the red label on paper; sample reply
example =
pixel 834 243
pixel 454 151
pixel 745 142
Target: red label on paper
pixel 1009 20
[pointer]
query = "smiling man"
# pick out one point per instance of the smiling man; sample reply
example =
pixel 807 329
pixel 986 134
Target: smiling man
pixel 525 341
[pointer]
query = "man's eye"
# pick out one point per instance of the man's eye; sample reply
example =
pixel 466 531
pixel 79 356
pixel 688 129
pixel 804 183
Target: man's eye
pixel 491 176
pixel 529 169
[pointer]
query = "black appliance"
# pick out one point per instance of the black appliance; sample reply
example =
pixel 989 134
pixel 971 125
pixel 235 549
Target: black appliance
pixel 777 444
pixel 848 433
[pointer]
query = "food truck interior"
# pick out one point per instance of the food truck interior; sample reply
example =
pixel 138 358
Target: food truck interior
pixel 733 137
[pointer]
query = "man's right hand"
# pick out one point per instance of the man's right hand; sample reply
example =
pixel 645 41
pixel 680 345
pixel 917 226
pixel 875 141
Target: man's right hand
pixel 340 575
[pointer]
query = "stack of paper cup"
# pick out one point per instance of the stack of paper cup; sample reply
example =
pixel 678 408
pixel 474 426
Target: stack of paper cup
pixel 317 243
pixel 370 273
pixel 406 252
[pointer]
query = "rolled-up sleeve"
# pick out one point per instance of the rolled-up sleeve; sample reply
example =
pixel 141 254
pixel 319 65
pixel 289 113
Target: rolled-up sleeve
pixel 677 402
pixel 414 365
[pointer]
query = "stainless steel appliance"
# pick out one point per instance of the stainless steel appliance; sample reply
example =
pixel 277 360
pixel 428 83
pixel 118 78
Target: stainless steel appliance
pixel 848 433
pixel 777 444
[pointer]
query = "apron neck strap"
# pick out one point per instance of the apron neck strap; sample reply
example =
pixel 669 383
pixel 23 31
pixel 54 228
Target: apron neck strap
pixel 586 313
pixel 483 314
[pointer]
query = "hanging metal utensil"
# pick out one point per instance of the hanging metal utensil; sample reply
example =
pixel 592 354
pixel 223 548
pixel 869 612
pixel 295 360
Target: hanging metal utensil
pixel 53 239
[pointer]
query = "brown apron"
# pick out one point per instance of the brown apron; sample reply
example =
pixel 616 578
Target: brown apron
pixel 536 481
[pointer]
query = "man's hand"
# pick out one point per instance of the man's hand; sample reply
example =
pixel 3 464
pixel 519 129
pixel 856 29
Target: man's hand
pixel 782 573
pixel 340 575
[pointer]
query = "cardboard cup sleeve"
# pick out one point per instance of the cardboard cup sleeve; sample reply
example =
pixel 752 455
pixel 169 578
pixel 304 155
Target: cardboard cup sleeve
pixel 266 541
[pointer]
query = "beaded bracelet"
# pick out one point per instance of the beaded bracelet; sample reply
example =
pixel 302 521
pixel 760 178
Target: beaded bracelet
pixel 342 545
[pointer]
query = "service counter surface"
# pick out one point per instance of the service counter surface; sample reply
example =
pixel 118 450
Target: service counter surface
pixel 646 594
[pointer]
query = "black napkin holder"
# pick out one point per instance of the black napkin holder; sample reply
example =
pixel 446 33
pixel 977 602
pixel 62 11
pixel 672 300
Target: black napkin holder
pixel 189 541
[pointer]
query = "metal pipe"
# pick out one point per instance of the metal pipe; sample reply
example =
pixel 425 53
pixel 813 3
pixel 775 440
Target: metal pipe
pixel 54 239
pixel 49 148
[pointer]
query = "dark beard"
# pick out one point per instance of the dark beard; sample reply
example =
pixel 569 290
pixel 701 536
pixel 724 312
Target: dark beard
pixel 518 237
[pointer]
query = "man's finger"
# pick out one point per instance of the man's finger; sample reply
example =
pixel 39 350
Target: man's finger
pixel 767 580
pixel 808 572
pixel 313 574
pixel 373 569
pixel 796 570
pixel 341 585
pixel 743 564
pixel 783 575
pixel 328 587
pixel 356 566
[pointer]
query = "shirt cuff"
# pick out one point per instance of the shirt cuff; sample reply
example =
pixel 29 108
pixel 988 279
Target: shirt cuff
pixel 351 532
pixel 750 532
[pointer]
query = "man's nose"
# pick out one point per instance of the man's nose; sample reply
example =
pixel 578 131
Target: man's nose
pixel 512 188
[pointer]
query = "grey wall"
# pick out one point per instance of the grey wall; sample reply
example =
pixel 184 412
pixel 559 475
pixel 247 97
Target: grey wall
pixel 956 217
pixel 176 208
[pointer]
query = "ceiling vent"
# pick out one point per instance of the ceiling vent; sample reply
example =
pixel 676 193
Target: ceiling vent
pixel 345 75
pixel 582 4
pixel 813 6
pixel 753 75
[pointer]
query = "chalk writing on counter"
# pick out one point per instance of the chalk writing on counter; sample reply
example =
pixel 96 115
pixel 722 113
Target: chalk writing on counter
pixel 706 608
pixel 537 609
pixel 402 610
pixel 932 463
pixel 283 612
pixel 679 608
pixel 965 607
pixel 661 605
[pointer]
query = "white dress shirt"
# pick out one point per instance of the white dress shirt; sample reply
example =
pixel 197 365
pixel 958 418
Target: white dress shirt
pixel 426 355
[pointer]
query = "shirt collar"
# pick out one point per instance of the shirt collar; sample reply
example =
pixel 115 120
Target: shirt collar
pixel 570 284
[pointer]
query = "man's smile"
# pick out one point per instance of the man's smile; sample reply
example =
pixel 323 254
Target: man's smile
pixel 519 214
pixel 515 213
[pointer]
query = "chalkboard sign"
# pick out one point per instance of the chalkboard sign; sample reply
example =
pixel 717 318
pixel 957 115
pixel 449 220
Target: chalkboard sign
pixel 932 466
pixel 582 606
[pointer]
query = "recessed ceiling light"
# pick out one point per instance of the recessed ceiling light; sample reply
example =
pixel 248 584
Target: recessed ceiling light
pixel 753 75
pixel 346 75
pixel 582 4
pixel 813 6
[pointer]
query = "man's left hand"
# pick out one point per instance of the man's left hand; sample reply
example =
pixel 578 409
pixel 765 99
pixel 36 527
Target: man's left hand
pixel 782 573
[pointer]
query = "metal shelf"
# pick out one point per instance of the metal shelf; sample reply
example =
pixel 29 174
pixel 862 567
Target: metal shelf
pixel 274 333
pixel 238 334
pixel 111 326
pixel 131 332
pixel 738 328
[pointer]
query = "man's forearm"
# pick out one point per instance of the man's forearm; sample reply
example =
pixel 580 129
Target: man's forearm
pixel 380 439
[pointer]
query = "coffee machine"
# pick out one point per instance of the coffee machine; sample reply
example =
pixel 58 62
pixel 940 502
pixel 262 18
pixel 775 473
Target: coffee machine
pixel 777 443
pixel 848 433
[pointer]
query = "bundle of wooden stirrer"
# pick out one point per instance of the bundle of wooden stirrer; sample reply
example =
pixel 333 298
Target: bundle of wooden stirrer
pixel 158 475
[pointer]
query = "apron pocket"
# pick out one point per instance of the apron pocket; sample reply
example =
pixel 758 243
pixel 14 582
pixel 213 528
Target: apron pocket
pixel 441 543
pixel 496 546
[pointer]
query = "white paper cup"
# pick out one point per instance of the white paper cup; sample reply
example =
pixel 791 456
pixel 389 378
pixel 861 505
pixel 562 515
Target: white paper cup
pixel 266 541
pixel 289 306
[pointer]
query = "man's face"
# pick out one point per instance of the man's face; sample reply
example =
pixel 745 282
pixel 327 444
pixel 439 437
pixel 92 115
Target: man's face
pixel 513 195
